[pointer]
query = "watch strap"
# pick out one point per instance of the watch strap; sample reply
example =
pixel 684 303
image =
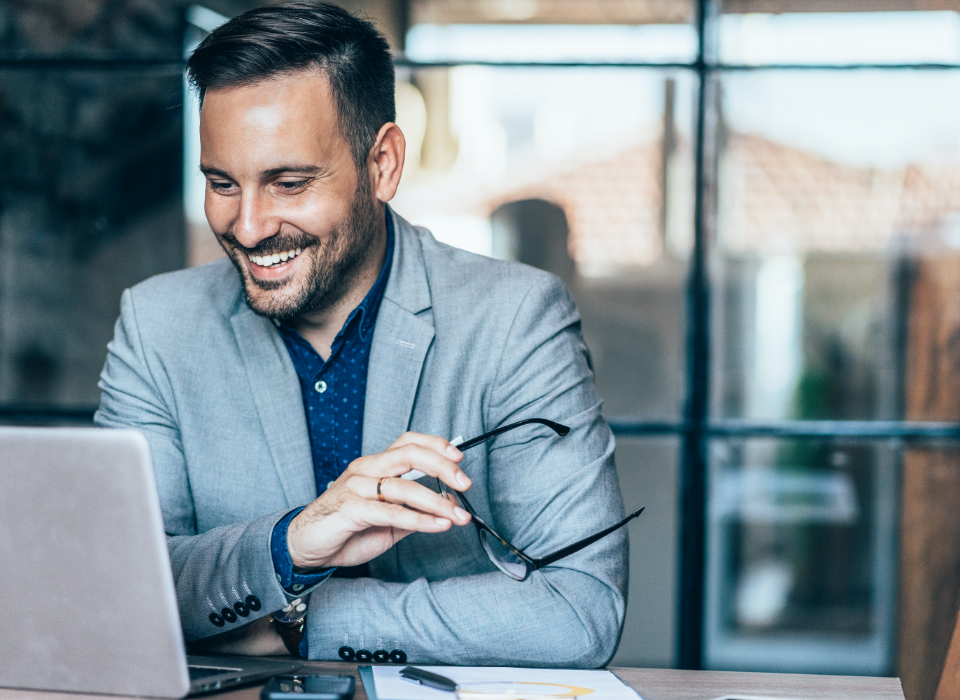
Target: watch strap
pixel 292 634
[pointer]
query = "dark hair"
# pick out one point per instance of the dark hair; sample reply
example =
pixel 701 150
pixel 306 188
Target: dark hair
pixel 296 36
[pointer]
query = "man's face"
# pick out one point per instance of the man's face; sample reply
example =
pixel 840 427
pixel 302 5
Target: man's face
pixel 283 194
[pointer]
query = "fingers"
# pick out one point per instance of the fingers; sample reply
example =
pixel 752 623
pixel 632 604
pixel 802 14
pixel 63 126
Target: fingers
pixel 349 528
pixel 415 496
pixel 413 456
pixel 371 514
pixel 431 442
pixel 348 525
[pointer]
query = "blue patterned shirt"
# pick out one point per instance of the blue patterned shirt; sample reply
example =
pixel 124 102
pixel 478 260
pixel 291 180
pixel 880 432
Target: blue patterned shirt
pixel 333 400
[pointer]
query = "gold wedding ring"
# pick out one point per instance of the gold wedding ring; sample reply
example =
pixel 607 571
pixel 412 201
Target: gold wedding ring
pixel 380 489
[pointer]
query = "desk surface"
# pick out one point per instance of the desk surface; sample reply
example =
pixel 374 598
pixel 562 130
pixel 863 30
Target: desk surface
pixel 652 684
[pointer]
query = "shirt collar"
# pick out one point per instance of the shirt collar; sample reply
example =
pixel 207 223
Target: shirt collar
pixel 368 308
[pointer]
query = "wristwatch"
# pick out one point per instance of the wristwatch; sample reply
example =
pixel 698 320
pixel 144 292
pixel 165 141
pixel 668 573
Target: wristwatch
pixel 292 634
pixel 291 622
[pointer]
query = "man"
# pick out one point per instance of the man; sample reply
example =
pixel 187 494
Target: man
pixel 282 403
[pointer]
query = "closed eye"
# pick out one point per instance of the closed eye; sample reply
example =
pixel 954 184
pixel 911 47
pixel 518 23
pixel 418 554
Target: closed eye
pixel 292 186
pixel 221 186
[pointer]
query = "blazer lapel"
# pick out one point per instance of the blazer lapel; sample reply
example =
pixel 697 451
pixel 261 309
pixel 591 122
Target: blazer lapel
pixel 401 339
pixel 276 393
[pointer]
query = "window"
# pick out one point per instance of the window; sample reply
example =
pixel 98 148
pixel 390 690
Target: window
pixel 756 206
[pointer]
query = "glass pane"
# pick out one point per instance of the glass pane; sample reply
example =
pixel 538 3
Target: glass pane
pixel 91 205
pixel 551 30
pixel 751 34
pixel 801 556
pixel 659 43
pixel 568 169
pixel 831 185
pixel 648 469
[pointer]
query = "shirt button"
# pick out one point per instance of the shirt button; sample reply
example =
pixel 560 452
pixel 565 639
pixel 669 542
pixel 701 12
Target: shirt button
pixel 320 386
pixel 329 485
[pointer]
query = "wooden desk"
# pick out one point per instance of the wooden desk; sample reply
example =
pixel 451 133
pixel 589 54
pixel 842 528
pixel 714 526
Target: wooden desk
pixel 652 684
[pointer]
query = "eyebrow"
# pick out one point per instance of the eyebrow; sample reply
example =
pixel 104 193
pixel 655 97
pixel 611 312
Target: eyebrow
pixel 299 168
pixel 292 168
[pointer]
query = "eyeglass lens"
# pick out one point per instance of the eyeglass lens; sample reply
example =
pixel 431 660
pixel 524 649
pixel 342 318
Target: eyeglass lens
pixel 503 556
pixel 499 552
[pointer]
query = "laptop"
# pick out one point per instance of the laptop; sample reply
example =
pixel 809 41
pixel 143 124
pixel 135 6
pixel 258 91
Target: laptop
pixel 85 581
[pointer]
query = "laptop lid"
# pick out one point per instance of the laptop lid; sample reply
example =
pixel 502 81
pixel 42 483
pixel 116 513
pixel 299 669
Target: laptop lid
pixel 88 596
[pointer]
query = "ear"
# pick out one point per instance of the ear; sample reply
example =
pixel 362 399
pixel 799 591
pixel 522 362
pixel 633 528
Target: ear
pixel 385 162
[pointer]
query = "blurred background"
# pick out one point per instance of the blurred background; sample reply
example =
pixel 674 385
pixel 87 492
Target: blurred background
pixel 756 205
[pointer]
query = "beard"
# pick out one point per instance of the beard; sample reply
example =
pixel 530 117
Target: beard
pixel 334 264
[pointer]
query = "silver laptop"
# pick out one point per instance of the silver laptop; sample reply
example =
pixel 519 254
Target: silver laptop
pixel 85 582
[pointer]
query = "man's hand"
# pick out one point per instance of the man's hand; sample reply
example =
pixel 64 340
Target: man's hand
pixel 348 525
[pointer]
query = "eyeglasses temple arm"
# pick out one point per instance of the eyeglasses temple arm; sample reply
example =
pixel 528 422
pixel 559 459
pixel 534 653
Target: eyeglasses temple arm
pixel 577 546
pixel 559 429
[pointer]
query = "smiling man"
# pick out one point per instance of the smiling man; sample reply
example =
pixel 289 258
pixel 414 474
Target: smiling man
pixel 284 396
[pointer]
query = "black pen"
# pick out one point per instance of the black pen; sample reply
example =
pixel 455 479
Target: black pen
pixel 431 680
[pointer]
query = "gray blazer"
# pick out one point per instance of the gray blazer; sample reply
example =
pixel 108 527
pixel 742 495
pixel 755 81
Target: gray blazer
pixel 462 344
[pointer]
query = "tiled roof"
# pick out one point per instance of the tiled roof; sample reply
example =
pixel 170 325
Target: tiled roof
pixel 773 198
pixel 612 207
pixel 779 198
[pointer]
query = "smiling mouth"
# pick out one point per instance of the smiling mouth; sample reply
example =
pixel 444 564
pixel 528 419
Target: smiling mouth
pixel 275 259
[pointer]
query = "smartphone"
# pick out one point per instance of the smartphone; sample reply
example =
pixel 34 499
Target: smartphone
pixel 304 687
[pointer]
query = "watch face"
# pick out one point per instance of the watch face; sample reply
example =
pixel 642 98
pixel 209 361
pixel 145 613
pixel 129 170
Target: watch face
pixel 291 612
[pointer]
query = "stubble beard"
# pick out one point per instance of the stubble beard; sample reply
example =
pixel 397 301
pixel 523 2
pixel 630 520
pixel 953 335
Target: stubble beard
pixel 335 263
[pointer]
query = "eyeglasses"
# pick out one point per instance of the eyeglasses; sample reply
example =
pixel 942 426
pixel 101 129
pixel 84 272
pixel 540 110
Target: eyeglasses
pixel 512 561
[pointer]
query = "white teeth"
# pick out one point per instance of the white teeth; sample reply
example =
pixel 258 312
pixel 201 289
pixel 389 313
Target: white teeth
pixel 269 260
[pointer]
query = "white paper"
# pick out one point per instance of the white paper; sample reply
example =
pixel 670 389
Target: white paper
pixel 595 685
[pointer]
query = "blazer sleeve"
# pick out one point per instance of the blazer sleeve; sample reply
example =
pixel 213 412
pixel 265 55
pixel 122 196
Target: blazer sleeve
pixel 546 492
pixel 215 570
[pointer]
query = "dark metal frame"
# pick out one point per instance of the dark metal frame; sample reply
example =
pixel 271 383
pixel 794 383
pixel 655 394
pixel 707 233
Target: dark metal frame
pixel 696 429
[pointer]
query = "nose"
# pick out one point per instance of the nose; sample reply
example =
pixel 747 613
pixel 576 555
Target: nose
pixel 255 222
